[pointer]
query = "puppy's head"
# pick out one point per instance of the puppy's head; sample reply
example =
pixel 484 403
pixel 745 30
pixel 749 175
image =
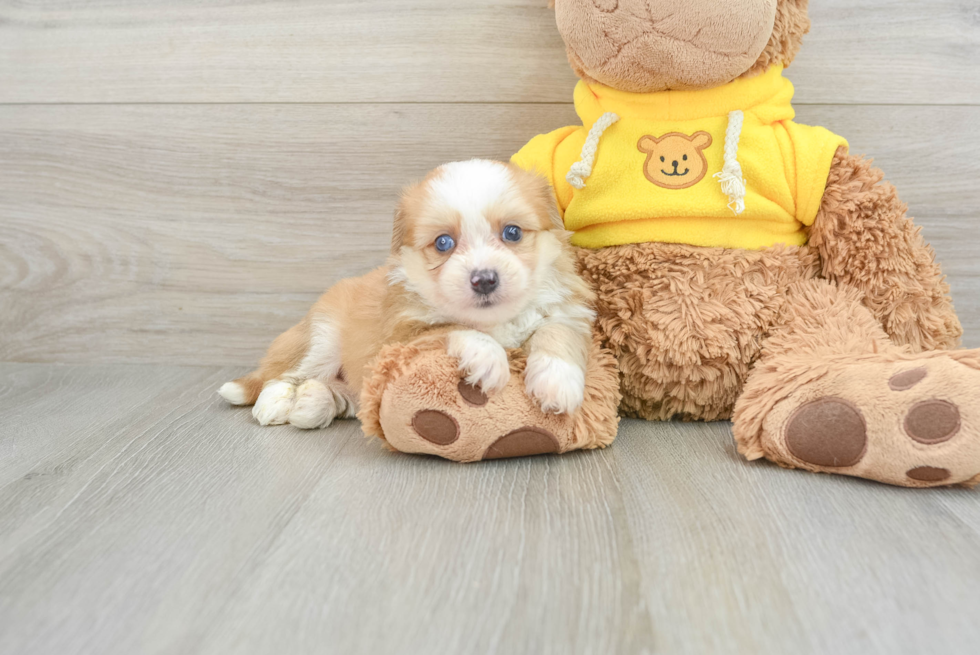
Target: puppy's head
pixel 476 239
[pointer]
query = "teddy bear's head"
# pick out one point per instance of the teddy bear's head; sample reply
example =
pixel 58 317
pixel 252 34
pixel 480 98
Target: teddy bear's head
pixel 644 46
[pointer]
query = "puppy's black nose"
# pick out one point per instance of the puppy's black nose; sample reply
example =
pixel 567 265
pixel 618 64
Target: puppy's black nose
pixel 484 282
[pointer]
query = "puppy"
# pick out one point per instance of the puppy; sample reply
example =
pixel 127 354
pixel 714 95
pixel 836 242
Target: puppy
pixel 480 255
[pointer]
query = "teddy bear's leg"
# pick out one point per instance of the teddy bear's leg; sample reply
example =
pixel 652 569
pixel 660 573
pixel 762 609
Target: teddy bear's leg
pixel 417 402
pixel 866 241
pixel 832 393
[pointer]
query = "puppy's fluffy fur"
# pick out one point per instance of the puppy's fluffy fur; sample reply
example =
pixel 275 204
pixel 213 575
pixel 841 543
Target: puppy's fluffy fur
pixel 487 292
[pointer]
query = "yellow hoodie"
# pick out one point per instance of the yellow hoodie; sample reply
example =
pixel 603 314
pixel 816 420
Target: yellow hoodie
pixel 724 167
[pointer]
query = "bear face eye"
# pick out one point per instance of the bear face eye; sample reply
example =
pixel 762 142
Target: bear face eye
pixel 445 243
pixel 512 233
pixel 685 157
pixel 663 159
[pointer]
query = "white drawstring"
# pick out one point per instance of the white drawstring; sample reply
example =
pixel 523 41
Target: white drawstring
pixel 730 177
pixel 583 168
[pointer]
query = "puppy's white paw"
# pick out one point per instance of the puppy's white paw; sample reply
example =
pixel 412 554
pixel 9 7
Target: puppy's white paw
pixel 233 393
pixel 274 403
pixel 482 360
pixel 557 385
pixel 315 406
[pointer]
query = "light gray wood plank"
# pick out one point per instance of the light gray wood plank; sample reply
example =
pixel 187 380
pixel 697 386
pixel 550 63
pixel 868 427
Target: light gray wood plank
pixel 890 52
pixel 194 234
pixel 192 530
pixel 525 556
pixel 133 503
pixel 863 51
pixel 751 558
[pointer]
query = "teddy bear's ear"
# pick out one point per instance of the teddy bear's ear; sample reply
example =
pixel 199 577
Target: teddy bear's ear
pixel 701 140
pixel 647 144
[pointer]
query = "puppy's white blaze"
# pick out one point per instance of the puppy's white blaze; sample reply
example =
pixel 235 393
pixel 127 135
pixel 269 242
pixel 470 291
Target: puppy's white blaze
pixel 233 393
pixel 557 385
pixel 274 403
pixel 470 187
pixel 315 406
pixel 482 360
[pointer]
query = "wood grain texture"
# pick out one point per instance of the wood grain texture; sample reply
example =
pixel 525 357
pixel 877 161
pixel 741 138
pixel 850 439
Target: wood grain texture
pixel 859 52
pixel 173 524
pixel 194 234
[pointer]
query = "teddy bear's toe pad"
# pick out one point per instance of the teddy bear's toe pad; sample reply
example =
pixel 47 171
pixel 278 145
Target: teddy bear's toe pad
pixel 928 474
pixel 933 421
pixel 523 443
pixel 827 432
pixel 436 427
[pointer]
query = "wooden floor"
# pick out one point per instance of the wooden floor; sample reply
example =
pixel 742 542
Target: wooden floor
pixel 141 515
pixel 179 180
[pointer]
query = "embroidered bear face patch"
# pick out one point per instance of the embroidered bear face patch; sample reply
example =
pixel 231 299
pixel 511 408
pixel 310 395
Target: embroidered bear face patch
pixel 675 160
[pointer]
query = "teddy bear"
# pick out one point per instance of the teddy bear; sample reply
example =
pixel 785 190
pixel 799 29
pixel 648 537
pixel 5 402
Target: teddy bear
pixel 747 267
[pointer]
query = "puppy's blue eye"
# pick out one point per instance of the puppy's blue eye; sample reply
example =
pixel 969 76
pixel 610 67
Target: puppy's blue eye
pixel 513 233
pixel 445 243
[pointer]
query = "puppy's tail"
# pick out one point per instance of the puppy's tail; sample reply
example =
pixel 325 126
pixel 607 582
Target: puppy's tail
pixel 243 391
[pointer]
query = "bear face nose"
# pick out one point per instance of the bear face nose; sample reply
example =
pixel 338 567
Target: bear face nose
pixel 484 282
pixel 675 163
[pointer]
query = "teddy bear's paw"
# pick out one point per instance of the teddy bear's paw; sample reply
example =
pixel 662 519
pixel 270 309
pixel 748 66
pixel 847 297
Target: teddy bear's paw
pixel 442 429
pixel 913 422
pixel 452 418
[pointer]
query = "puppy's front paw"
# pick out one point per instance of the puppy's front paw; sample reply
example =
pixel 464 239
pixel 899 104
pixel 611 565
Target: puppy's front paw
pixel 482 360
pixel 557 385
pixel 274 403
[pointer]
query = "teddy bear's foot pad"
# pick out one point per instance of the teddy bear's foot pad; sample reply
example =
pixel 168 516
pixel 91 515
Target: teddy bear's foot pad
pixel 458 421
pixel 441 429
pixel 907 422
pixel 523 442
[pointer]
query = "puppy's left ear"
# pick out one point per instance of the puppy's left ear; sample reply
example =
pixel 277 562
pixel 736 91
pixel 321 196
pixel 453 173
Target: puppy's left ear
pixel 409 205
pixel 398 230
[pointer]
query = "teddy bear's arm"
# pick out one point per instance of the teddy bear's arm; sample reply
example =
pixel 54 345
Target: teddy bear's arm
pixel 866 241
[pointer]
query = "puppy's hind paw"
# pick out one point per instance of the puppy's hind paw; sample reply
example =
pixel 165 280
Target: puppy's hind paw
pixel 557 385
pixel 315 406
pixel 274 403
pixel 482 360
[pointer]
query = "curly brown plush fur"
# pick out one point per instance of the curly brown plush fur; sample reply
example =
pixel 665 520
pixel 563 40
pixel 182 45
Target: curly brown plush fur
pixel 866 241
pixel 687 323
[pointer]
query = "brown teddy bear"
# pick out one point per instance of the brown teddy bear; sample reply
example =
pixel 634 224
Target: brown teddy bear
pixel 747 267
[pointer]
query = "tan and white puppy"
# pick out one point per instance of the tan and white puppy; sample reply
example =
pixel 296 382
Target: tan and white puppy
pixel 478 253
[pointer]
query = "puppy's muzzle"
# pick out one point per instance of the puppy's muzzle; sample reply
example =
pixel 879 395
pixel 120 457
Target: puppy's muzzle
pixel 484 282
